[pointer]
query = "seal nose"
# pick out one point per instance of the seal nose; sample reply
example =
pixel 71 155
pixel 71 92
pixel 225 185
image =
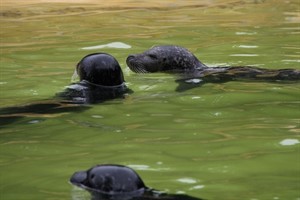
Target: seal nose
pixel 129 58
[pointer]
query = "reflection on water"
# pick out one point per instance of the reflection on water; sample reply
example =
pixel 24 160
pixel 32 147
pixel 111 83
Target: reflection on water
pixel 287 142
pixel 236 140
pixel 118 45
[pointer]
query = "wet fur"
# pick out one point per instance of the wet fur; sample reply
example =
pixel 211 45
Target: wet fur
pixel 175 59
pixel 118 182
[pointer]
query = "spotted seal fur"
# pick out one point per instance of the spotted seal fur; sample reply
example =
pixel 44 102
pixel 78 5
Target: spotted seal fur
pixel 176 59
pixel 164 59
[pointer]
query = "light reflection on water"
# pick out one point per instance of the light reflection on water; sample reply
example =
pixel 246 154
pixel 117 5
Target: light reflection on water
pixel 237 140
pixel 117 45
pixel 287 142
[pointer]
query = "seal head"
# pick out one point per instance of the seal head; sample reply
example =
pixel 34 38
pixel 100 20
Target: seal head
pixel 164 58
pixel 101 78
pixel 113 180
pixel 101 69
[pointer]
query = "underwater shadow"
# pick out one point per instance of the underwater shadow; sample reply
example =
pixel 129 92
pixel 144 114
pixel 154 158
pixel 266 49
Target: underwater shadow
pixel 187 81
pixel 48 109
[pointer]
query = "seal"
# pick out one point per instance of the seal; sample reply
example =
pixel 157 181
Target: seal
pixel 113 180
pixel 101 78
pixel 176 59
pixel 164 59
pixel 118 182
pixel 100 69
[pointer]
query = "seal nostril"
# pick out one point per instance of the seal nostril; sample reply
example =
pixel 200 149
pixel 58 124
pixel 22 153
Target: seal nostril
pixel 129 60
pixel 130 57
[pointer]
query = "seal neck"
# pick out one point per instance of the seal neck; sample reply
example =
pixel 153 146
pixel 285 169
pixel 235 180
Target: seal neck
pixel 200 66
pixel 103 86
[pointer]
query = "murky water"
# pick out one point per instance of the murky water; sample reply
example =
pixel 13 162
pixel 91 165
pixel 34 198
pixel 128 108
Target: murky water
pixel 237 140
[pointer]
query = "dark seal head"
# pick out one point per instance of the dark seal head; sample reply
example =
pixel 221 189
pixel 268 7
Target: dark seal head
pixel 114 180
pixel 101 78
pixel 163 59
pixel 101 69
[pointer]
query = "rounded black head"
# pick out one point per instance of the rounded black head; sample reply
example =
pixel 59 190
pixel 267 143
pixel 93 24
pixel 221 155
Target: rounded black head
pixel 164 58
pixel 109 179
pixel 101 69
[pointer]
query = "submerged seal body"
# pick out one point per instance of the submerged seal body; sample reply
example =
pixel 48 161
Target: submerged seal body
pixel 175 59
pixel 118 182
pixel 101 78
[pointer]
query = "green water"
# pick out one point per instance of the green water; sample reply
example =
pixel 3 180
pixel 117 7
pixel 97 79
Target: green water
pixel 219 141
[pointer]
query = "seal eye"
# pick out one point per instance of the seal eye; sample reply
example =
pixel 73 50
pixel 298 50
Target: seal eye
pixel 153 56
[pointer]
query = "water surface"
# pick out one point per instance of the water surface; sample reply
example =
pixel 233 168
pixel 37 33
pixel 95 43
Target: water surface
pixel 237 140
